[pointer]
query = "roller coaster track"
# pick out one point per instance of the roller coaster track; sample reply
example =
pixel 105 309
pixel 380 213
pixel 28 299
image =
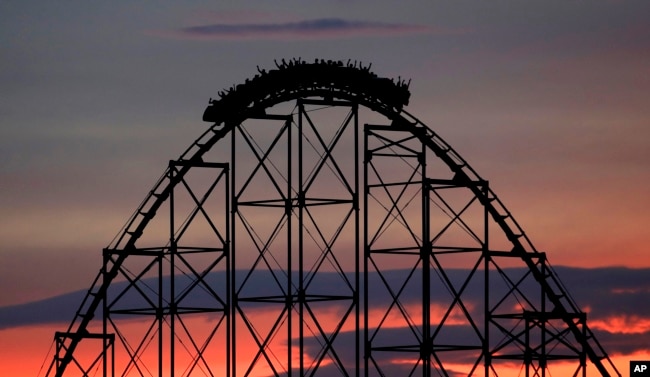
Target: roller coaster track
pixel 329 80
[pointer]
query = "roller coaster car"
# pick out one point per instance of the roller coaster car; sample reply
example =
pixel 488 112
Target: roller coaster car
pixel 298 76
pixel 211 113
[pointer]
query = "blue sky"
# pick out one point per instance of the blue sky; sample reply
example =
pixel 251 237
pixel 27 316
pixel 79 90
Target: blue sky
pixel 548 100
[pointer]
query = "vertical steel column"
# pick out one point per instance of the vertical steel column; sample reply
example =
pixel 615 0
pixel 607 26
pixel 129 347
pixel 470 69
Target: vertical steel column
pixel 232 342
pixel 229 272
pixel 301 224
pixel 357 238
pixel 288 208
pixel 366 254
pixel 172 252
pixel 426 347
pixel 543 361
pixel 160 312
pixel 583 352
pixel 528 353
pixel 487 259
pixel 112 345
pixel 105 257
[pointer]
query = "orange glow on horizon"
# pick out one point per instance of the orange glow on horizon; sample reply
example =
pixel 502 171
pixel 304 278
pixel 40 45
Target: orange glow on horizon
pixel 622 324
pixel 24 349
pixel 395 319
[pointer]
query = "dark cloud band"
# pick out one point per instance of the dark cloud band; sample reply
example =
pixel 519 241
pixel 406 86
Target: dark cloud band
pixel 316 28
pixel 610 295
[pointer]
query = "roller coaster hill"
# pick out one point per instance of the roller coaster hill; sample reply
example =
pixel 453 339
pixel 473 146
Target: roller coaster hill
pixel 316 228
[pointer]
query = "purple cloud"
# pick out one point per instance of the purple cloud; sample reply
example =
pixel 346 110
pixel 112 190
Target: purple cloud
pixel 608 294
pixel 321 28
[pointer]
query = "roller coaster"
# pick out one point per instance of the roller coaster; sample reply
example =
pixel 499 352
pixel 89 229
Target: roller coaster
pixel 316 228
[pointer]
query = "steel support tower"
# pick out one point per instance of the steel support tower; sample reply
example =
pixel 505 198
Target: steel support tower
pixel 316 229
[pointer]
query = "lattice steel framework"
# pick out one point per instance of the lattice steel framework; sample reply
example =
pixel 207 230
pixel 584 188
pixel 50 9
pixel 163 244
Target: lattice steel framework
pixel 317 228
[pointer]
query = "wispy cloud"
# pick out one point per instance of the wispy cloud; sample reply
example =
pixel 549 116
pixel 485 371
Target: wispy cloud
pixel 320 28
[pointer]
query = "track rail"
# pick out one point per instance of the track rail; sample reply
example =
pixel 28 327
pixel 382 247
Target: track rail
pixel 327 79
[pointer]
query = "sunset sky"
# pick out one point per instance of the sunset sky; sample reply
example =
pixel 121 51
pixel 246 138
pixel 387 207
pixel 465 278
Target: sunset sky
pixel 548 100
